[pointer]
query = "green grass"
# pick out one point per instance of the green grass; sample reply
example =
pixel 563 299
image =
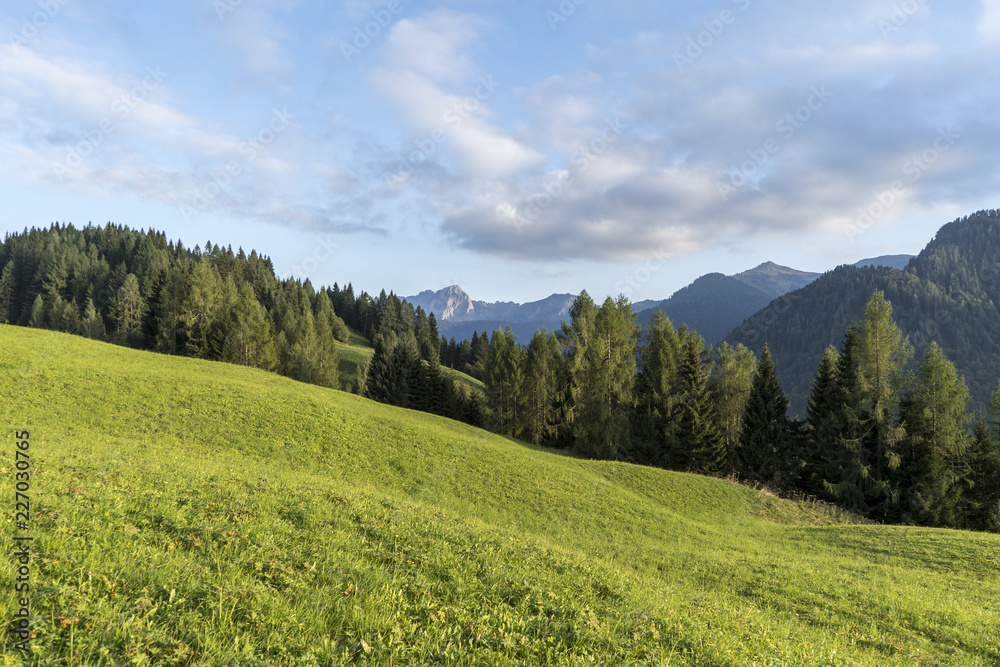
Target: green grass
pixel 197 513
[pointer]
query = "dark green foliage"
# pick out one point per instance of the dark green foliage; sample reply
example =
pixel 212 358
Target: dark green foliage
pixel 949 293
pixel 503 375
pixel 822 447
pixel 765 452
pixel 138 289
pixel 981 509
pixel 698 445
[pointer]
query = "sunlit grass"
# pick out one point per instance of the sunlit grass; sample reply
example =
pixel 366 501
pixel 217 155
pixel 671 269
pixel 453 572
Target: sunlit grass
pixel 197 513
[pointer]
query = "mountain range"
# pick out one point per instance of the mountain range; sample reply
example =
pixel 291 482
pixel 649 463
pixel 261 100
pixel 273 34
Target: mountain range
pixel 713 305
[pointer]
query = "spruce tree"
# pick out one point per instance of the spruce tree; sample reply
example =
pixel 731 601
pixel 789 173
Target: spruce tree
pixel 699 446
pixel 848 474
pixel 92 326
pixel 128 308
pixel 981 504
pixel 823 432
pixel 503 376
pixel 766 438
pixel 656 392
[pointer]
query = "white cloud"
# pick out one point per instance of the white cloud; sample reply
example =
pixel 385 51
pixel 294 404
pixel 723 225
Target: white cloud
pixel 444 96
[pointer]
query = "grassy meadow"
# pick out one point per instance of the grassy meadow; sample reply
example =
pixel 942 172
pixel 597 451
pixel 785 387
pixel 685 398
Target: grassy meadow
pixel 198 513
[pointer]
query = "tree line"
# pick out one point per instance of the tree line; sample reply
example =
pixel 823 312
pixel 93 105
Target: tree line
pixel 890 442
pixel 887 442
pixel 139 289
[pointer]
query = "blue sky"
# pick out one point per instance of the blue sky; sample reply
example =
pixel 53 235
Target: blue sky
pixel 514 148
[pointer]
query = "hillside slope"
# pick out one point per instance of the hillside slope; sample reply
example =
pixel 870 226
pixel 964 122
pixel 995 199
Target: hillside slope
pixel 188 512
pixel 949 293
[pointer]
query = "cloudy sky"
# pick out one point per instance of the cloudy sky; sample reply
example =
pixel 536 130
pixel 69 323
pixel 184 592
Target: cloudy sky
pixel 514 148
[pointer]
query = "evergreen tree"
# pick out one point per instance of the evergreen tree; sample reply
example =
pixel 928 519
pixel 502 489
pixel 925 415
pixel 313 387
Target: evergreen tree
pixel 823 434
pixel 607 379
pixel 7 291
pixel 981 504
pixel 542 372
pixel 766 438
pixel 700 447
pixel 883 354
pixel 656 392
pixel 128 307
pixel 733 377
pixel 91 326
pixel 38 313
pixel 934 413
pixel 848 474
pixel 200 307
pixel 249 340
pixel 575 337
pixel 503 378
pixel 384 378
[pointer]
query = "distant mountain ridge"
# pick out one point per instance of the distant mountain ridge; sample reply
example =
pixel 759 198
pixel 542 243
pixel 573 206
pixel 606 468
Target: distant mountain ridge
pixel 453 305
pixel 713 305
pixel 775 280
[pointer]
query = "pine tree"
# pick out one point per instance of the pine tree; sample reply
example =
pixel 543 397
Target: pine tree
pixel 656 392
pixel 503 378
pixel 766 438
pixel 384 377
pixel 700 447
pixel 934 412
pixel 848 475
pixel 823 446
pixel 981 504
pixel 249 340
pixel 7 286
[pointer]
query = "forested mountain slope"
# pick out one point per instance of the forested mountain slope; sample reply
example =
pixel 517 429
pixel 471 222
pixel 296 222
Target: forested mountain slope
pixel 950 293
